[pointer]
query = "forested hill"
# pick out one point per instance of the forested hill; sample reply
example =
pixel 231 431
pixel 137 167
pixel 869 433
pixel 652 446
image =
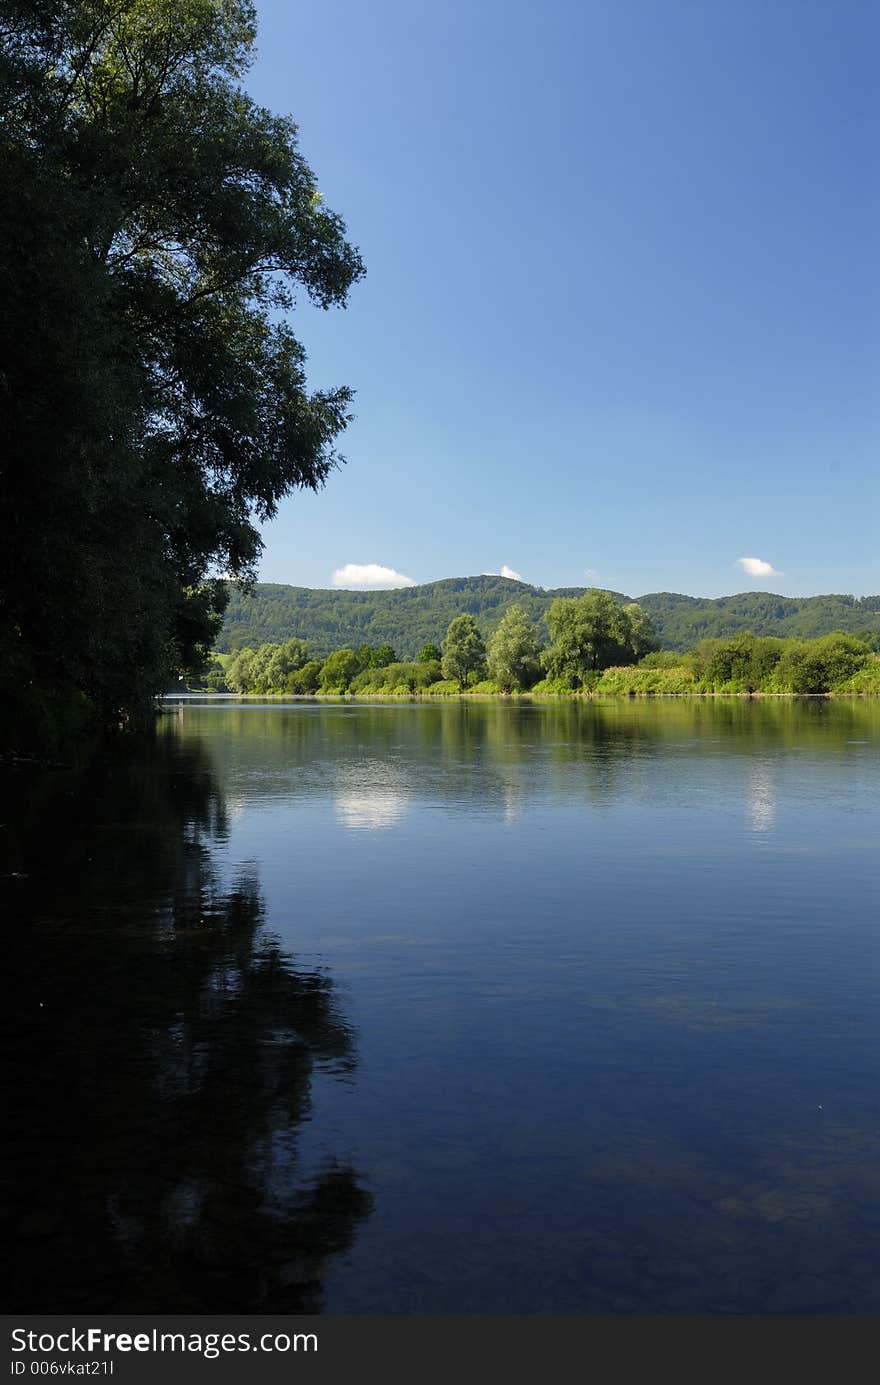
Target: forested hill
pixel 410 617
pixel 683 620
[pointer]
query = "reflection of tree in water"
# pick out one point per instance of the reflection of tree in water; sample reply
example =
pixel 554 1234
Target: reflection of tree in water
pixel 163 1048
pixel 500 756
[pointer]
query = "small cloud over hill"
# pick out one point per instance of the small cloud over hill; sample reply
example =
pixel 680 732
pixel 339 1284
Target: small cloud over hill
pixel 369 577
pixel 757 567
pixel 505 571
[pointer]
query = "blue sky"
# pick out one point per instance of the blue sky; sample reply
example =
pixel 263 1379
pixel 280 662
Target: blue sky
pixel 620 322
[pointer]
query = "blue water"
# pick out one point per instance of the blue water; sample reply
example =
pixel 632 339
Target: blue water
pixel 492 1008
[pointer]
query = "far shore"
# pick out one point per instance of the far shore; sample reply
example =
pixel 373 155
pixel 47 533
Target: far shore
pixel 576 695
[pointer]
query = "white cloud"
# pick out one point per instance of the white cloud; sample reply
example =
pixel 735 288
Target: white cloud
pixel 756 567
pixel 367 576
pixel 590 572
pixel 505 571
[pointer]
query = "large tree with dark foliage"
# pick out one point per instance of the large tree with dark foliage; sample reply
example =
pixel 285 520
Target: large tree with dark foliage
pixel 155 224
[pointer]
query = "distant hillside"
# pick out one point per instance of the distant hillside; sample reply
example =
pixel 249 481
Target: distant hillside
pixel 408 618
pixel 682 621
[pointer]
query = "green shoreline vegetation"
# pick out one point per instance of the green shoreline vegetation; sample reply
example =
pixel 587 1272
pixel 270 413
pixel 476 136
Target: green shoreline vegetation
pixel 597 648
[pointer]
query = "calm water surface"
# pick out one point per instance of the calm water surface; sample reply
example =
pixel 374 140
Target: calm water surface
pixel 449 1009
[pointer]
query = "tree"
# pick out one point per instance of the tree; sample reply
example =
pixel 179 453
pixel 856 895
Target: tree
pixel 513 651
pixel 238 672
pixel 287 658
pixel 215 678
pixel 155 223
pixel 464 653
pixel 383 656
pixel 306 679
pixel 642 638
pixel 259 667
pixel 593 632
pixel 429 653
pixel 338 670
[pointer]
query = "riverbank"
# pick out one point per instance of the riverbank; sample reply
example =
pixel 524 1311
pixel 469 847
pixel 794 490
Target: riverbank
pixel 474 695
pixel 836 663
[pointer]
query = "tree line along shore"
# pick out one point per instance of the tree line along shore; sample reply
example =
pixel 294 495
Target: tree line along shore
pixel 597 646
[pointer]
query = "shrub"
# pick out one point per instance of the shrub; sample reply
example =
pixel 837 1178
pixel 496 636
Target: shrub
pixel 819 666
pixel 643 681
pixel 397 678
pixel 864 680
pixel 740 664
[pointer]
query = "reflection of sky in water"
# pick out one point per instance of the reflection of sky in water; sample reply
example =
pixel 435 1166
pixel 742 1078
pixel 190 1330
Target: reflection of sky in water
pixel 370 796
pixel 371 809
pixel 761 796
pixel 375 798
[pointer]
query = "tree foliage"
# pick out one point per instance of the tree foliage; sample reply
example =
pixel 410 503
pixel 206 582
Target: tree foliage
pixel 742 664
pixel 306 679
pixel 745 664
pixel 594 632
pixel 156 224
pixel 817 666
pixel 338 670
pixel 398 677
pixel 371 657
pixel 513 652
pixel 464 653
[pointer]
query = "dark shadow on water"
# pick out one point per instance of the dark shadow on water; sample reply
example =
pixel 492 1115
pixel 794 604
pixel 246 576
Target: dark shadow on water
pixel 160 1052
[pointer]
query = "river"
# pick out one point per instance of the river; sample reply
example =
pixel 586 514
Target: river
pixel 449 1007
